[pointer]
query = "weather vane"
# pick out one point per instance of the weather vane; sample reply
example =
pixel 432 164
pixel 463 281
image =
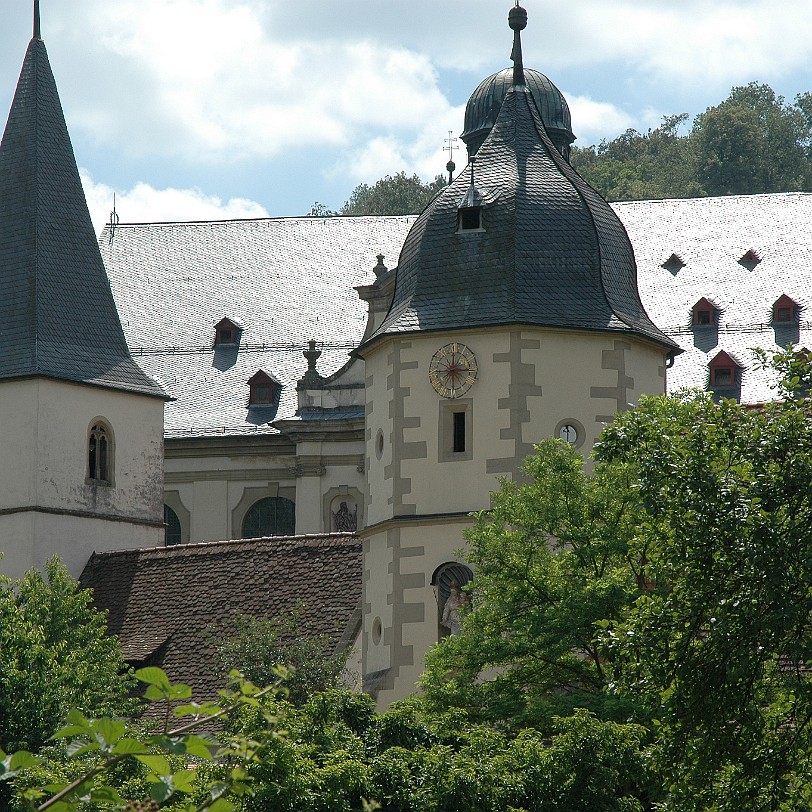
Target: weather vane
pixel 450 166
pixel 114 218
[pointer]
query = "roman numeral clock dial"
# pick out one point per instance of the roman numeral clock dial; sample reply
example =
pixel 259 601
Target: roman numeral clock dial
pixel 452 370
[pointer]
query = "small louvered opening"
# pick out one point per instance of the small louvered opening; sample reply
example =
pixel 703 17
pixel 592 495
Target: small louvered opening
pixel 750 259
pixel 470 218
pixel 674 263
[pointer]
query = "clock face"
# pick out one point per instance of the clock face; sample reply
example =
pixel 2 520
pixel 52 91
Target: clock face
pixel 452 370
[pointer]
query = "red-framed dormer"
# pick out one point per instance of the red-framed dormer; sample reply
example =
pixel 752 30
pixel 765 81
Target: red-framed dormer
pixel 263 389
pixel 724 370
pixel 785 310
pixel 704 313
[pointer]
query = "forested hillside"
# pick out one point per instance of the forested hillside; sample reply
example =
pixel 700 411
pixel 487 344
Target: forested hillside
pixel 752 142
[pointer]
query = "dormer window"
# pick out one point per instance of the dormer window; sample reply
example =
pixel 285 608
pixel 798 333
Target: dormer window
pixel 470 218
pixel 704 313
pixel 750 259
pixel 785 310
pixel 264 389
pixel 225 333
pixel 724 371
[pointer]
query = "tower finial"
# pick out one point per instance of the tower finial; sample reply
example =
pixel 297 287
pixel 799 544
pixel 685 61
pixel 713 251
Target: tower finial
pixel 517 20
pixel 37 30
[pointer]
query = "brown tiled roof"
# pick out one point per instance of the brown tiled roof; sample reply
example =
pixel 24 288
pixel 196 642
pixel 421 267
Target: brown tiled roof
pixel 164 602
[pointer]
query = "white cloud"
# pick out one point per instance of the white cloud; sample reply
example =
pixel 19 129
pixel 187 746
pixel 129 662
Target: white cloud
pixel 593 120
pixel 198 80
pixel 145 204
pixel 421 152
pixel 689 41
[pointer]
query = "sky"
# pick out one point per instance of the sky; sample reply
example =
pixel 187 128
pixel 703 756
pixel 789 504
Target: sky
pixel 209 109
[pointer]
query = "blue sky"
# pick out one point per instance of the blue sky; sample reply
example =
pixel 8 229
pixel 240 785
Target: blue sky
pixel 197 109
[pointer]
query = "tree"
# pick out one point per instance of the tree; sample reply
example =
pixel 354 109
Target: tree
pixel 260 646
pixel 719 646
pixel 752 142
pixel 54 655
pixel 321 210
pixel 552 558
pixel 398 194
pixel 672 588
pixel 637 166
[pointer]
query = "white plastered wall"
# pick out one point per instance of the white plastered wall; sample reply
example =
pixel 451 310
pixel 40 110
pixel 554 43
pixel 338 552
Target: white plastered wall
pixel 529 381
pixel 48 503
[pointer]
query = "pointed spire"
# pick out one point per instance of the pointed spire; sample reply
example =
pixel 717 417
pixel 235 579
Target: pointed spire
pixel 57 310
pixel 37 29
pixel 517 20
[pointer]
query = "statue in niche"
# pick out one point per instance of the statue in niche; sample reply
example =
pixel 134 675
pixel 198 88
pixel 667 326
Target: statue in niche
pixel 454 608
pixel 344 520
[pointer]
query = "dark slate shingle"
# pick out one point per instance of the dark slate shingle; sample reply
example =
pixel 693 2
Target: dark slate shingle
pixel 57 314
pixel 551 252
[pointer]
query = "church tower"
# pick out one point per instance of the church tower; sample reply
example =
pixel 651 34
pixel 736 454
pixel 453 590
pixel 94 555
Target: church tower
pixel 82 425
pixel 515 316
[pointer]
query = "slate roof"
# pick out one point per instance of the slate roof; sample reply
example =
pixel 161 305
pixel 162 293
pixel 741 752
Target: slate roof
pixel 163 603
pixel 483 107
pixel 57 315
pixel 285 280
pixel 711 235
pixel 551 251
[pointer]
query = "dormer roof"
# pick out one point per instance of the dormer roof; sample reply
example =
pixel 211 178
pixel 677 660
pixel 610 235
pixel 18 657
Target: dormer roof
pixel 57 314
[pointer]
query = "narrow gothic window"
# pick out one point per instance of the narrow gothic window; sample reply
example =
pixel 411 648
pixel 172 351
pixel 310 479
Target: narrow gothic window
pixel 172 534
pixel 272 516
pixel 100 454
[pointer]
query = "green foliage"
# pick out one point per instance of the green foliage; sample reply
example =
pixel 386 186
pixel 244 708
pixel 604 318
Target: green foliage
pixel 552 558
pixel 719 645
pixel 321 210
pixel 393 194
pixel 54 655
pixel 339 753
pixel 167 760
pixel 750 143
pixel 260 646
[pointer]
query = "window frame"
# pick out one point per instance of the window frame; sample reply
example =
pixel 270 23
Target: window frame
pixel 100 453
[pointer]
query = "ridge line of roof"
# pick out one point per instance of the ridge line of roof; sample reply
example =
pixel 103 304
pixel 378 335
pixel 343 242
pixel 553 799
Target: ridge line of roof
pixel 211 544
pixel 259 220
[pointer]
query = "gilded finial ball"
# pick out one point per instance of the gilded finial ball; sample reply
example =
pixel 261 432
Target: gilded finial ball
pixel 517 18
pixel 450 166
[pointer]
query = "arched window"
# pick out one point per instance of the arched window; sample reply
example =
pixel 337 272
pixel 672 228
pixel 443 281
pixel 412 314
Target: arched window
pixel 272 516
pixel 172 533
pixel 449 579
pixel 100 453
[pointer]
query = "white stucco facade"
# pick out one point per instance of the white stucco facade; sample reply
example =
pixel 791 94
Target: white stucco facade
pixel 49 503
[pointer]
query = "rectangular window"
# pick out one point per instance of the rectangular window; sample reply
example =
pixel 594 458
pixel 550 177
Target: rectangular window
pixel 703 317
pixel 722 376
pixel 455 430
pixel 459 432
pixel 471 218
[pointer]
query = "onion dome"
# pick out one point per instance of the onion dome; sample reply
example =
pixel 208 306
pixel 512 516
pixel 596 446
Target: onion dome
pixel 519 238
pixel 485 102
